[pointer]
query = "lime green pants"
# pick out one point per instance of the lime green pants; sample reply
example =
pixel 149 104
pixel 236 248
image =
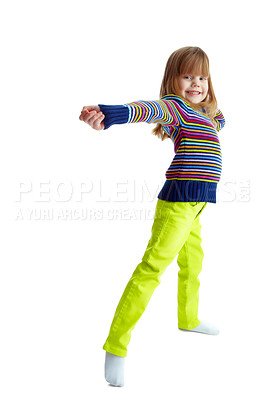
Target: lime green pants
pixel 176 230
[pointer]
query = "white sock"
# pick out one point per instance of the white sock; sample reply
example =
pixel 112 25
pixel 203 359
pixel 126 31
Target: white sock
pixel 204 327
pixel 114 369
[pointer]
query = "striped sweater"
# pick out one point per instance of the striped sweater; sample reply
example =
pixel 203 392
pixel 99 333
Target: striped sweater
pixel 196 167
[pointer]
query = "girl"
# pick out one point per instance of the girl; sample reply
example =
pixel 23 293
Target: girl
pixel 186 113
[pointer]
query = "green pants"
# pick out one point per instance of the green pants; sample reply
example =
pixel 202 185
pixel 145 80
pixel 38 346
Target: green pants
pixel 176 230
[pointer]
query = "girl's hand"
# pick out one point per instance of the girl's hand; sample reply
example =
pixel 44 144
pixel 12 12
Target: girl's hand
pixel 93 116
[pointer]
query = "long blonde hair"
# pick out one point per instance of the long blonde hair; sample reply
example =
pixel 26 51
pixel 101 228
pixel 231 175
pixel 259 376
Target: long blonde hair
pixel 192 60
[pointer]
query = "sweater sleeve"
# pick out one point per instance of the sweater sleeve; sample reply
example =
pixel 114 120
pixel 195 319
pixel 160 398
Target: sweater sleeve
pixel 219 119
pixel 165 112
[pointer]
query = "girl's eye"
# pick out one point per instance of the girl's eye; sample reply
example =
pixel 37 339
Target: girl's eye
pixel 201 78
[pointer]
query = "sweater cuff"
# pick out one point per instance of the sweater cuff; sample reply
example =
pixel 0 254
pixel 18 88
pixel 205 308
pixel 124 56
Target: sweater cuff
pixel 114 114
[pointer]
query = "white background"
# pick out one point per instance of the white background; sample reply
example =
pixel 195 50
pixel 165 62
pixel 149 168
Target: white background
pixel 62 276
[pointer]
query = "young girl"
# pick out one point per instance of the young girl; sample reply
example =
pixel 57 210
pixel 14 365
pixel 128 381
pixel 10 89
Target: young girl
pixel 186 113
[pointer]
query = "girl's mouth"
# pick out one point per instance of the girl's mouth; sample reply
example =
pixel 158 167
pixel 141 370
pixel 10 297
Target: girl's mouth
pixel 194 92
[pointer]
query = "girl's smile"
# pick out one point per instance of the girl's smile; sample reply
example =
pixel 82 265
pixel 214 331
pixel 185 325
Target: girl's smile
pixel 193 88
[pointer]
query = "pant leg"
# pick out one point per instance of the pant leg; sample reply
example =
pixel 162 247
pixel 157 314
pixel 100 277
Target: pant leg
pixel 190 263
pixel 170 229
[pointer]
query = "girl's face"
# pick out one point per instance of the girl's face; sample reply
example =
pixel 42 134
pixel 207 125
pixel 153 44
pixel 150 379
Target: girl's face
pixel 193 88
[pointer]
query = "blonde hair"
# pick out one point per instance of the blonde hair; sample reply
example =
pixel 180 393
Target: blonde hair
pixel 192 60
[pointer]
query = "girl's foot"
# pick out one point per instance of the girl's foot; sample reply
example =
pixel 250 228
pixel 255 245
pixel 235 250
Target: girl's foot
pixel 204 327
pixel 114 369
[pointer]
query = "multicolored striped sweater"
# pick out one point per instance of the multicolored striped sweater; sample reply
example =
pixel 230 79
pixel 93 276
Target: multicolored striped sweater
pixel 196 168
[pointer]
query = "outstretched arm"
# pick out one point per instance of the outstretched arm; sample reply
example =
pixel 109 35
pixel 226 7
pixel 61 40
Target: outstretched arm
pixel 166 112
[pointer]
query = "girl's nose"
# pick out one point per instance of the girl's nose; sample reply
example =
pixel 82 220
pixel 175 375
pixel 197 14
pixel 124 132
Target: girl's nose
pixel 195 84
